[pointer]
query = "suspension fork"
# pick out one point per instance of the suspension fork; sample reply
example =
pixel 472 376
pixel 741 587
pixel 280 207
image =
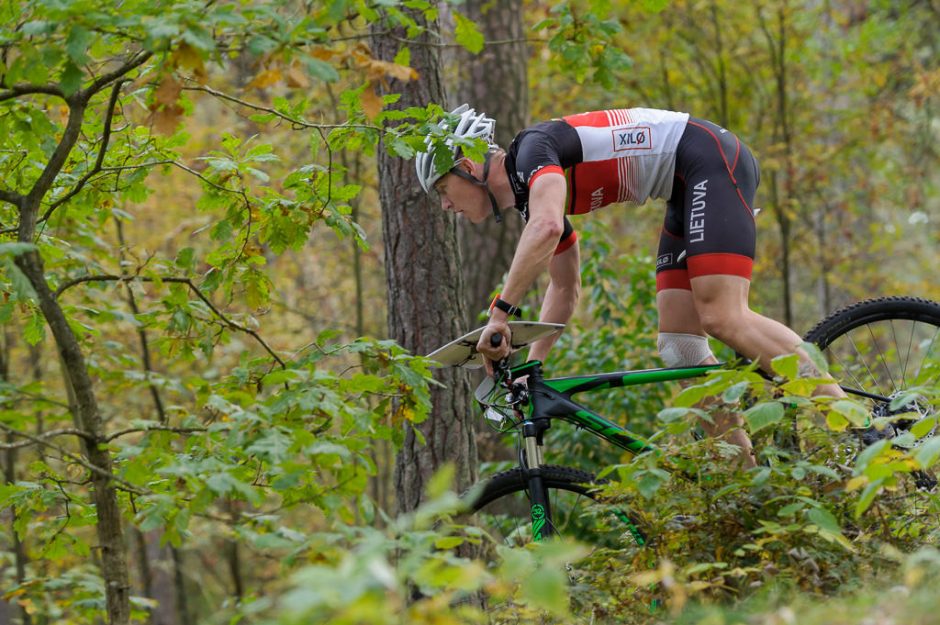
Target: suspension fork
pixel 539 504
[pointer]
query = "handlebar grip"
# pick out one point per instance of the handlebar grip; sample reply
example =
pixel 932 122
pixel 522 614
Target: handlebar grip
pixel 496 339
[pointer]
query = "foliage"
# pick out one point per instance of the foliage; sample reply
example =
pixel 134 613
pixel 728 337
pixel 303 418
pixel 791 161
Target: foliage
pixel 820 514
pixel 198 237
pixel 215 434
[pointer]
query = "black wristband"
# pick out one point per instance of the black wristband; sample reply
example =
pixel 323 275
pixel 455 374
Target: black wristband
pixel 506 307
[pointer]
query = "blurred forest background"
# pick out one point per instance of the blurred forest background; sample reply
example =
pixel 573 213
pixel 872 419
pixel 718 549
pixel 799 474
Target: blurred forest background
pixel 219 274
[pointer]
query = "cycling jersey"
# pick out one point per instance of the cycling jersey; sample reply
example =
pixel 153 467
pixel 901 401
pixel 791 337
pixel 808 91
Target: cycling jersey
pixel 631 155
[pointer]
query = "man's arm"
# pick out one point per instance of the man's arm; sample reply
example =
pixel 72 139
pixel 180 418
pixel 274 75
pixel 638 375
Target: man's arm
pixel 561 298
pixel 533 254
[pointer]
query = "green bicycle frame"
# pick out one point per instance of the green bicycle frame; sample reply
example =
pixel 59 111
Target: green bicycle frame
pixel 559 405
pixel 551 399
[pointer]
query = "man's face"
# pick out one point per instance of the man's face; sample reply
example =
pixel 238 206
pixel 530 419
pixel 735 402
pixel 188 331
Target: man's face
pixel 463 197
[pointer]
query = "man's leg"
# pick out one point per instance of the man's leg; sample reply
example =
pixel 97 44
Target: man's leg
pixel 721 304
pixel 677 315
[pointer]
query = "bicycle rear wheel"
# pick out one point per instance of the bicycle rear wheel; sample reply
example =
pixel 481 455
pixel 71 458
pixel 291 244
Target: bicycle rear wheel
pixel 884 349
pixel 882 346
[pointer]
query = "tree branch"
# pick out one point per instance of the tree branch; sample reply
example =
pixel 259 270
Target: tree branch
pixel 25 89
pixel 16 199
pixel 116 169
pixel 77 459
pixel 99 161
pixel 264 109
pixel 154 428
pixel 77 102
pixel 195 289
pixel 30 206
pixel 36 440
pixel 141 333
pixel 139 59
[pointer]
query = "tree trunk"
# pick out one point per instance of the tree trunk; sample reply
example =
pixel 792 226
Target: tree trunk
pixel 7 610
pixel 84 407
pixel 494 81
pixel 425 307
pixel 782 136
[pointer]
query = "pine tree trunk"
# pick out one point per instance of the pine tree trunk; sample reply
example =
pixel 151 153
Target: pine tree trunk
pixel 494 81
pixel 425 295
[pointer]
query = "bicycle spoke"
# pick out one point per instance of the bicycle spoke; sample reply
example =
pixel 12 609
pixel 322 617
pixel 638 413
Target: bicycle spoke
pixel 864 363
pixel 927 356
pixel 907 356
pixel 881 354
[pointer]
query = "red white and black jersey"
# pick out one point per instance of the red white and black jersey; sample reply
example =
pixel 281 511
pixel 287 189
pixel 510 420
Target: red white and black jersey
pixel 707 176
pixel 619 155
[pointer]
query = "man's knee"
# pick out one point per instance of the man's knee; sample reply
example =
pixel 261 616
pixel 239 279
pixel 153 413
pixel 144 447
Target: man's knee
pixel 720 320
pixel 683 350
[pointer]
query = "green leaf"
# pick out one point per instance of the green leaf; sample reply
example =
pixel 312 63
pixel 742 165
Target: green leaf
pixel 735 392
pixel 547 588
pixel 869 454
pixel 468 35
pixel 448 542
pixel 71 80
pixel 15 248
pixel 924 426
pixel 867 497
pixel 442 481
pixel 77 44
pixel 403 57
pixel 692 395
pixel 817 357
pixel 763 415
pixel 854 412
pixel 790 510
pixel 926 455
pixel 788 366
pixel 35 330
pixel 184 258
pixel 22 287
pixel 824 519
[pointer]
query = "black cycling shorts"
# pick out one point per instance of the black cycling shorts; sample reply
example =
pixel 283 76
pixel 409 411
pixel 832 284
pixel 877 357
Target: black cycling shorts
pixel 709 226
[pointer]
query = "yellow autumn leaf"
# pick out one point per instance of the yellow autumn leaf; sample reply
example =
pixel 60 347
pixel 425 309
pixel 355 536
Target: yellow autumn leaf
pixel 323 54
pixel 371 101
pixel 296 78
pixel 13 593
pixel 166 119
pixel 856 482
pixel 187 57
pixel 376 69
pixel 266 78
pixel 168 91
pixel 165 111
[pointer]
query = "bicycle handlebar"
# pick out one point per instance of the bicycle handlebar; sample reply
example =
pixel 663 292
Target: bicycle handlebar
pixel 499 366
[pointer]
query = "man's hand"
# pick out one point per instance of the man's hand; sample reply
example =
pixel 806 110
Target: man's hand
pixel 485 347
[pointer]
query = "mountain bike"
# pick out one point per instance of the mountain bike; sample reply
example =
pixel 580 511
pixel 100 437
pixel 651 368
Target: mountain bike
pixel 881 351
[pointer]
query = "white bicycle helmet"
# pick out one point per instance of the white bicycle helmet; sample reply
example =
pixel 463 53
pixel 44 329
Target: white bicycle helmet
pixel 470 125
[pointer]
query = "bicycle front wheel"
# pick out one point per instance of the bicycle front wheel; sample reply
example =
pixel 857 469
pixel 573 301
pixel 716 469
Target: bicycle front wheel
pixel 577 509
pixel 882 346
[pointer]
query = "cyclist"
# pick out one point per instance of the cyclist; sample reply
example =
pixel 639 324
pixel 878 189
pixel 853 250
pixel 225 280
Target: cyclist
pixel 579 163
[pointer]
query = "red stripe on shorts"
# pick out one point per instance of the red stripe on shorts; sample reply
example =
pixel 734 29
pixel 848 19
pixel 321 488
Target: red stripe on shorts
pixel 673 279
pixel 720 265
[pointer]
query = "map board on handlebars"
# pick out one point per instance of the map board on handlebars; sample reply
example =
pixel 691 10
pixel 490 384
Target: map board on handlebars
pixel 463 352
